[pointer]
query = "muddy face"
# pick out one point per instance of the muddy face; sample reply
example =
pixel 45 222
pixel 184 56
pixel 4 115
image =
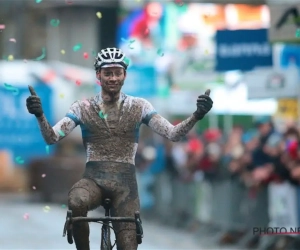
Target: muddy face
pixel 112 80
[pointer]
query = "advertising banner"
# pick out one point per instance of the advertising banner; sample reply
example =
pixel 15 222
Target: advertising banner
pixel 243 50
pixel 19 130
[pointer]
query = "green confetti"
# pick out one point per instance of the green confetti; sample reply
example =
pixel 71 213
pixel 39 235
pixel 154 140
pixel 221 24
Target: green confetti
pixel 94 53
pixel 19 160
pixel 61 133
pixel 42 56
pixel 38 1
pixel 47 149
pixel 297 34
pixel 63 206
pixel 160 52
pixel 102 115
pixel 77 47
pixel 54 22
pixel 9 87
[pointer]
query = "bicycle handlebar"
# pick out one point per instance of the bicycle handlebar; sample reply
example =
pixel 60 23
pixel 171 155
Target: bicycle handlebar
pixel 104 219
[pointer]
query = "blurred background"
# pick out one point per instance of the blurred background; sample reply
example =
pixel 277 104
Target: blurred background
pixel 239 168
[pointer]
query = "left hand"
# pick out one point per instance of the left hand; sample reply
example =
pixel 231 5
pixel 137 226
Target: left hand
pixel 204 105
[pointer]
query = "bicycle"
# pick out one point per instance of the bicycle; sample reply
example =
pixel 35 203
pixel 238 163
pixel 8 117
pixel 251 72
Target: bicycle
pixel 105 232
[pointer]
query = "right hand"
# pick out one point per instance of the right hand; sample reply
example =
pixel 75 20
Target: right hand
pixel 34 104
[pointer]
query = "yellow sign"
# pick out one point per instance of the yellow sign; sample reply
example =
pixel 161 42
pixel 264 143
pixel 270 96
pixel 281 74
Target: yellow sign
pixel 287 108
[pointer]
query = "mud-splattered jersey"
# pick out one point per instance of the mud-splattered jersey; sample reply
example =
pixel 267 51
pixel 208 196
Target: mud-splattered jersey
pixel 111 132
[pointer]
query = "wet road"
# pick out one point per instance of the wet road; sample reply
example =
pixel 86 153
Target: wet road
pixel 43 227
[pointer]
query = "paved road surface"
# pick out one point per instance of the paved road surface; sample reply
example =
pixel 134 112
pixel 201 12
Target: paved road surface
pixel 43 229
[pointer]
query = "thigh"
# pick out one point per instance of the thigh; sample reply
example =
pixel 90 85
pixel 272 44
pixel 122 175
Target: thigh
pixel 85 194
pixel 124 205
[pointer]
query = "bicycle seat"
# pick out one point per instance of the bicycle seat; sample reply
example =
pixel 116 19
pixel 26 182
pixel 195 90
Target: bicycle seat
pixel 107 204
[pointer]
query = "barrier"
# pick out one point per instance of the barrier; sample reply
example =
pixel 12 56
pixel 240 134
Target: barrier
pixel 163 193
pixel 229 196
pixel 226 204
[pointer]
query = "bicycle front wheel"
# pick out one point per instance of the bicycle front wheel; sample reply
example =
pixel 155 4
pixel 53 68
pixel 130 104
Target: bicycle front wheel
pixel 105 239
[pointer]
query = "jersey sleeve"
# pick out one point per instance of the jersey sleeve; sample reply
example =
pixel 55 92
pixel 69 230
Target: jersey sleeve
pixel 74 113
pixel 148 112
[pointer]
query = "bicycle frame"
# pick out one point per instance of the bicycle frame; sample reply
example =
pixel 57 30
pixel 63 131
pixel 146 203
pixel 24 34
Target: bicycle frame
pixel 105 232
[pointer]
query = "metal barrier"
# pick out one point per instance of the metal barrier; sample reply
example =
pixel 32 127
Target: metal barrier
pixel 227 204
pixel 228 196
pixel 163 195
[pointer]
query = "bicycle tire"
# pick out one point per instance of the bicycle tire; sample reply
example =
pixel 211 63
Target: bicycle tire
pixel 105 238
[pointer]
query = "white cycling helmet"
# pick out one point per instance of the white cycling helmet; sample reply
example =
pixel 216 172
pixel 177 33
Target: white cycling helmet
pixel 110 57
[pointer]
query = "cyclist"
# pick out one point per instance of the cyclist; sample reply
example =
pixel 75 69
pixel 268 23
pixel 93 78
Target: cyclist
pixel 110 124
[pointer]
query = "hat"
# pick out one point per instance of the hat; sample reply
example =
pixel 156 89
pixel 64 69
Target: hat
pixel 261 120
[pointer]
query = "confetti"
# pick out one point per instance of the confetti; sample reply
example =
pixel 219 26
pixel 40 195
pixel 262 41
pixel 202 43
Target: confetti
pixel 2 27
pixel 19 160
pixel 43 175
pixel 77 47
pixel 85 55
pixel 69 2
pixel 160 52
pixel 47 149
pixel 98 82
pixel 38 1
pixel 63 206
pixel 102 115
pixel 42 56
pixel 62 51
pixel 12 40
pixel 10 58
pixel 61 95
pixel 131 42
pixel 26 216
pixel 99 14
pixel 94 53
pixel 9 87
pixel 297 34
pixel 46 209
pixel 78 82
pixel 33 187
pixel 61 133
pixel 54 22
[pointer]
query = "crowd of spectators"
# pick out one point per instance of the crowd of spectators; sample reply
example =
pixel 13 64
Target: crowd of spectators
pixel 256 157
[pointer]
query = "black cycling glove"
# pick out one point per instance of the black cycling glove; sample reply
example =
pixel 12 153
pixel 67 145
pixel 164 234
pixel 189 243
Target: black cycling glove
pixel 204 105
pixel 34 104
